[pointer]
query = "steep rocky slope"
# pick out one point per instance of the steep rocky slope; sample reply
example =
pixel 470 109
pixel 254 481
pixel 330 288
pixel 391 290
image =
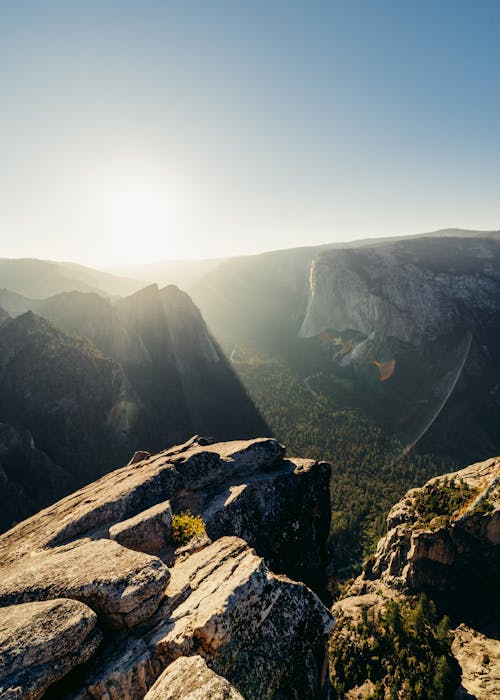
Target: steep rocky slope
pixel 212 614
pixel 444 540
pixel 64 408
pixel 102 380
pixel 445 536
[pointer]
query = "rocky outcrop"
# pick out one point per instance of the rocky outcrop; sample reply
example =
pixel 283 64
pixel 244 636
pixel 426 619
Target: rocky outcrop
pixel 444 539
pixel 149 531
pixel 452 547
pixel 479 659
pixel 109 547
pixel 42 642
pixel 412 290
pixel 122 586
pixel 189 678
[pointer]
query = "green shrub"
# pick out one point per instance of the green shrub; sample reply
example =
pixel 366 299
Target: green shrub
pixel 404 649
pixel 436 503
pixel 185 527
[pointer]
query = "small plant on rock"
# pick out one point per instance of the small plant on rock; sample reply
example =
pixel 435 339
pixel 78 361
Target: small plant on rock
pixel 185 527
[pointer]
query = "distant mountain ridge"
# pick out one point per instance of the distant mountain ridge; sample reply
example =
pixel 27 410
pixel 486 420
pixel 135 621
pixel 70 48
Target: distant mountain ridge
pixel 42 278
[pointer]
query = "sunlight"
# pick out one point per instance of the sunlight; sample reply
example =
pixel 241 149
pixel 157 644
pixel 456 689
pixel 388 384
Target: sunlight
pixel 139 215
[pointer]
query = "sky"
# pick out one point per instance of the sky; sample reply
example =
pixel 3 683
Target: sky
pixel 151 130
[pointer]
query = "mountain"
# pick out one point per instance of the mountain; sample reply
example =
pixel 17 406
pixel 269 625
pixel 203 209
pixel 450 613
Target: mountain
pixel 64 408
pixel 408 326
pixel 398 329
pixel 262 299
pixel 42 278
pixel 91 381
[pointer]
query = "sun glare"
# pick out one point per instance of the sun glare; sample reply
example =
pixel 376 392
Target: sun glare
pixel 139 218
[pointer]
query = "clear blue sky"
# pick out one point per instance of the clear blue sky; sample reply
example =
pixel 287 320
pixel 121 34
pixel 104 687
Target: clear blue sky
pixel 138 131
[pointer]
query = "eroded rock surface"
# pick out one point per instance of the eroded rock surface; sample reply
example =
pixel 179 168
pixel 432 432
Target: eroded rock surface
pixel 122 586
pixel 41 642
pixel 447 552
pixel 189 678
pixel 109 546
pixel 444 539
pixel 479 659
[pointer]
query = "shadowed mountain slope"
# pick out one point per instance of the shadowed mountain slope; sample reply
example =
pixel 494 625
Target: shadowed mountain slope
pixel 98 381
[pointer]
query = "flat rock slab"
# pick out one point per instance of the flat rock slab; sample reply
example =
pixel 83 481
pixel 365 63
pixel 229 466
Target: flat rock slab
pixel 189 678
pixel 122 586
pixel 41 642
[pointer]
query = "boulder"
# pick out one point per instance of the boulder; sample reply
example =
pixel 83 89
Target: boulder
pixel 123 587
pixel 189 678
pixel 41 642
pixel 479 659
pixel 229 608
pixel 149 531
pixel 108 547
pixel 455 552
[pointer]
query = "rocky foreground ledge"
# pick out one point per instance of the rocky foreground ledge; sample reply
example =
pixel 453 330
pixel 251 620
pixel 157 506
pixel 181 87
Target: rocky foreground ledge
pixel 95 602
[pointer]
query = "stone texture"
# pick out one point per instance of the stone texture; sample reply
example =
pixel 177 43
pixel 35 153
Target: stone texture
pixel 243 488
pixel 149 531
pixel 259 510
pixel 122 586
pixel 41 642
pixel 480 680
pixel 229 608
pixel 449 556
pixel 456 561
pixel 189 678
pixel 262 632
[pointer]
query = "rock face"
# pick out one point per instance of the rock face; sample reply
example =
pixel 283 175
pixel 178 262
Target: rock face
pixel 444 539
pixel 409 290
pixel 122 586
pixel 189 678
pixel 479 659
pixel 41 642
pixel 107 551
pixel 411 325
pixel 442 550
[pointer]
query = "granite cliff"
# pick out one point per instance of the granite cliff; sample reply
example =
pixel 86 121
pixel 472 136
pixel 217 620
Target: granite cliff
pixel 96 601
pixel 412 326
pixel 443 540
